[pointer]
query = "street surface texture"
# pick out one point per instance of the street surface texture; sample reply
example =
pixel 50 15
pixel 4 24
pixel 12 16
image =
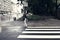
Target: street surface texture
pixel 48 22
pixel 11 30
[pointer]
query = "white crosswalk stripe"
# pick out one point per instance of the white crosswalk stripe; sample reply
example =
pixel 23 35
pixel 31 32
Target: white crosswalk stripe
pixel 40 32
pixel 40 29
pixel 38 36
pixel 0 29
pixel 45 27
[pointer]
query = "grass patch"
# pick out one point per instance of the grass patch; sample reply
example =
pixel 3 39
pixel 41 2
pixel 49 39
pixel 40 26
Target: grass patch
pixel 34 17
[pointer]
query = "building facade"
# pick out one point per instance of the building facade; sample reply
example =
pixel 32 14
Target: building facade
pixel 5 10
pixel 10 9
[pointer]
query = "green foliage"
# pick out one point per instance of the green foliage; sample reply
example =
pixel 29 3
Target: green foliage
pixel 33 17
pixel 41 7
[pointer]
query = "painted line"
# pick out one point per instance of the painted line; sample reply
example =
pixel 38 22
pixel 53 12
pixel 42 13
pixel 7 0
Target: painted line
pixel 15 27
pixel 40 29
pixel 0 29
pixel 38 36
pixel 46 27
pixel 40 32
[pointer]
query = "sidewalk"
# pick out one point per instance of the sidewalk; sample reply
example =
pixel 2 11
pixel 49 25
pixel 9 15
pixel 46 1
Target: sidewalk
pixel 11 23
pixel 49 22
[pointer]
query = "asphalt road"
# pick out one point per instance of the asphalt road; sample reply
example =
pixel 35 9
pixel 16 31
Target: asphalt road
pixel 10 30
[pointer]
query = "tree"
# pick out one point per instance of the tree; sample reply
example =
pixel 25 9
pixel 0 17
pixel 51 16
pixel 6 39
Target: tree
pixel 41 7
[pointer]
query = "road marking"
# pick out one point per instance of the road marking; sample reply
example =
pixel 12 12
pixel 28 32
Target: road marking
pixel 41 32
pixel 15 28
pixel 0 29
pixel 40 29
pixel 38 36
pixel 45 27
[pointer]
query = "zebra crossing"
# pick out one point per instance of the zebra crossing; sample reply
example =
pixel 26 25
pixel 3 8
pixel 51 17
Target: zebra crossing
pixel 40 32
pixel 0 29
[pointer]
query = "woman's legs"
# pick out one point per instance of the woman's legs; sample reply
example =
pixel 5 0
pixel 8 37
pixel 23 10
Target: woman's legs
pixel 25 22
